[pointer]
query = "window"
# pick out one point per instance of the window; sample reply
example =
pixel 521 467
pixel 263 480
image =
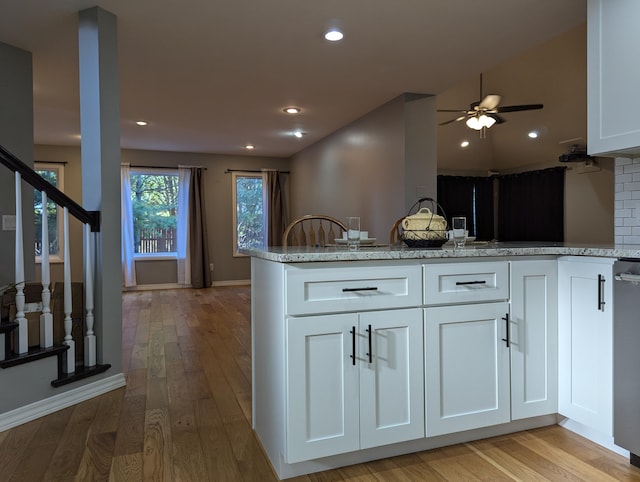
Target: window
pixel 154 202
pixel 54 174
pixel 248 211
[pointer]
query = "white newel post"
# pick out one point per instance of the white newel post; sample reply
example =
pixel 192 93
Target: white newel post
pixel 22 332
pixel 90 337
pixel 46 318
pixel 69 364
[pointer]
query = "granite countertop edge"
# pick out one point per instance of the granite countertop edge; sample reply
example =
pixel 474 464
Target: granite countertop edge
pixel 327 254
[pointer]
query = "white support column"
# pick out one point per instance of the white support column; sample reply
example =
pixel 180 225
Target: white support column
pixel 46 318
pixel 69 363
pixel 100 146
pixel 22 332
pixel 90 337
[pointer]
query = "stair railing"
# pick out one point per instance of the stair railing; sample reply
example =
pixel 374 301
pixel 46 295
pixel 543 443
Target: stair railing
pixel 91 222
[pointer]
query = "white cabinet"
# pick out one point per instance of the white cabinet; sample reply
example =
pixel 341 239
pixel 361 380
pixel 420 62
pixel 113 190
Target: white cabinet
pixel 613 77
pixel 534 338
pixel 467 367
pixel 354 381
pixel 585 341
pixel 490 363
pixel 468 282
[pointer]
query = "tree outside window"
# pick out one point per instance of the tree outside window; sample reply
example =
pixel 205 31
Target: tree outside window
pixel 248 211
pixel 53 173
pixel 154 199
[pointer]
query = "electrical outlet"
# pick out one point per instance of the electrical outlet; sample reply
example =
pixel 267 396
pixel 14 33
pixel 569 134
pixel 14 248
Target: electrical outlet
pixel 8 222
pixel 211 267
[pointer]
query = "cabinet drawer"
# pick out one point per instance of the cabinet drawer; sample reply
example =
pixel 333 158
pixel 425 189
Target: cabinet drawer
pixel 466 282
pixel 332 290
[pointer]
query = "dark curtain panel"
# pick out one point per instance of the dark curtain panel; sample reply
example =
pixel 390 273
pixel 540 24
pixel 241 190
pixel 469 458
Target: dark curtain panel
pixel 276 206
pixel 484 208
pixel 471 197
pixel 198 239
pixel 531 206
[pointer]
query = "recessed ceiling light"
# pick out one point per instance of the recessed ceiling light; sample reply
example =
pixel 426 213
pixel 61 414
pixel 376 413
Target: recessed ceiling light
pixel 333 35
pixel 298 134
pixel 249 146
pixel 464 144
pixel 292 110
pixel 533 135
pixel 141 123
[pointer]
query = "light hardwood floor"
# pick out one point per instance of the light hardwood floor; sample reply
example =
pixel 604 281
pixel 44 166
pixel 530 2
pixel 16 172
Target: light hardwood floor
pixel 185 416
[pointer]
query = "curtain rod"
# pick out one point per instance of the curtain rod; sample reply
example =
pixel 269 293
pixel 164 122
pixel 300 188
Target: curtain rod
pixel 161 167
pixel 50 162
pixel 250 170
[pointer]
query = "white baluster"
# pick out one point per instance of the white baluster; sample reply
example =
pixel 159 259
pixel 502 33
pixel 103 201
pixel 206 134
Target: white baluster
pixel 46 318
pixel 90 337
pixel 69 363
pixel 22 332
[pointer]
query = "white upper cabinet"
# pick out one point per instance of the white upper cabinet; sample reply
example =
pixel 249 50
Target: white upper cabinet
pixel 613 77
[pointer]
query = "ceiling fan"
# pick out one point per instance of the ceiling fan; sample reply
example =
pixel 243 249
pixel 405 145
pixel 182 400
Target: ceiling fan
pixel 483 114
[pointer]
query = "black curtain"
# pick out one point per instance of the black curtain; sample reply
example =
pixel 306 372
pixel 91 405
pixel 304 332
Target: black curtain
pixel 471 197
pixel 531 206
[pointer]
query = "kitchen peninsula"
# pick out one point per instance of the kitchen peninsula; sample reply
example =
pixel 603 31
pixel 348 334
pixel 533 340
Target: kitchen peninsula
pixel 360 355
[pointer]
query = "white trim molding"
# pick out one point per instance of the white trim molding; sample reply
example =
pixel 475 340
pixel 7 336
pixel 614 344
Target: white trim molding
pixel 53 404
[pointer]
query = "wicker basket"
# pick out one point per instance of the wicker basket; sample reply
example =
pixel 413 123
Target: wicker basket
pixel 425 228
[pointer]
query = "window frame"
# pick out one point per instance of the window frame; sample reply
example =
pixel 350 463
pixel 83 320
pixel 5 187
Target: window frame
pixel 59 168
pixel 154 171
pixel 234 205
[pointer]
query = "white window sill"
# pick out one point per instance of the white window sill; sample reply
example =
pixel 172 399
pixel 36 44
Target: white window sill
pixel 155 257
pixel 52 259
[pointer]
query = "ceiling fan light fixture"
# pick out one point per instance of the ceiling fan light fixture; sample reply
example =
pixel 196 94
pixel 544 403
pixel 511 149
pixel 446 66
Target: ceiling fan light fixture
pixel 474 123
pixel 486 121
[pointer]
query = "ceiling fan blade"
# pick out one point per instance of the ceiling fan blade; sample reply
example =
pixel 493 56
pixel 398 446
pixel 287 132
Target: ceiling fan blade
pixel 490 102
pixel 457 119
pixel 498 119
pixel 516 108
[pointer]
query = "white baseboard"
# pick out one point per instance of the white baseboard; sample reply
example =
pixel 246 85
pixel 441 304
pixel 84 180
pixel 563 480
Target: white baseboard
pixel 49 405
pixel 233 282
pixel 605 441
pixel 159 286
pixel 175 286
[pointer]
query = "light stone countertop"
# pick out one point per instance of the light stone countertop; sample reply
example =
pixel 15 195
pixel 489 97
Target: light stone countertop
pixel 474 250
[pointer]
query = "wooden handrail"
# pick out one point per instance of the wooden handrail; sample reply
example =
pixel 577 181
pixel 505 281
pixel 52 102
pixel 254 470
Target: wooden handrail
pixel 92 218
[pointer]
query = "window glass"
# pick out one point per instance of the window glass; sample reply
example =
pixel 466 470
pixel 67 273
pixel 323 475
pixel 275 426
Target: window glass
pixel 53 173
pixel 248 211
pixel 154 199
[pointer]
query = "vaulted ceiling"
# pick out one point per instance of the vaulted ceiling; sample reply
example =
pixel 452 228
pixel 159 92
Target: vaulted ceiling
pixel 213 75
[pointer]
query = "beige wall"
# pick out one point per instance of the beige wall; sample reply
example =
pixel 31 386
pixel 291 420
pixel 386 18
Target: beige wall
pixel 555 71
pixel 16 136
pixel 218 207
pixel 589 203
pixel 373 168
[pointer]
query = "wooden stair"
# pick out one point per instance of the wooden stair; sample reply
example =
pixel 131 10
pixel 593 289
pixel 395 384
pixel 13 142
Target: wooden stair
pixel 38 353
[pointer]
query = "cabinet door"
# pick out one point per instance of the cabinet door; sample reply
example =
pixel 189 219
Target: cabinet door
pixel 585 343
pixel 467 367
pixel 391 377
pixel 613 77
pixel 534 338
pixel 322 387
